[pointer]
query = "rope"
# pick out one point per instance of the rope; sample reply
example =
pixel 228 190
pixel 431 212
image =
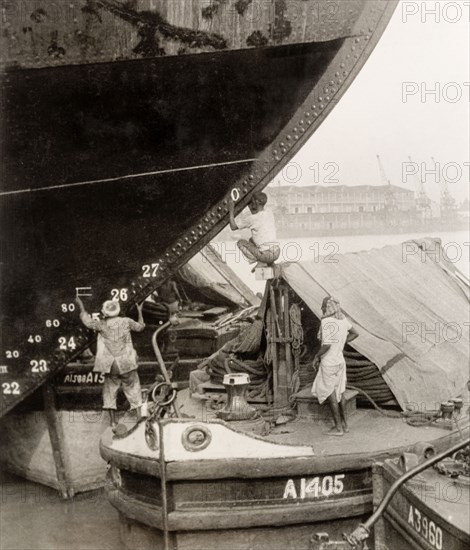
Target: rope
pixel 268 356
pixel 419 419
pixel 297 335
pixel 460 465
pixel 413 418
pixel 250 339
pixel 296 329
pixel 383 412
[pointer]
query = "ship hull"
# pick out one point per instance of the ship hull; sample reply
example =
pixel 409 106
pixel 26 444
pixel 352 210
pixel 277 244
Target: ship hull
pixel 118 166
pixel 110 120
pixel 96 225
pixel 71 230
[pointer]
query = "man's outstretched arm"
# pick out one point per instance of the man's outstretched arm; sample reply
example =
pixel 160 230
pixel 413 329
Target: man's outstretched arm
pixel 86 317
pixel 231 209
pixel 352 335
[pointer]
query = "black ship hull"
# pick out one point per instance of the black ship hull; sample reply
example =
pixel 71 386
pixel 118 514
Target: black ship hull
pixel 115 173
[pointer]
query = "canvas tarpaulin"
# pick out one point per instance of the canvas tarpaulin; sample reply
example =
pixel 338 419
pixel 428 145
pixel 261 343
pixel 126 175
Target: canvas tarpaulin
pixel 211 275
pixel 411 311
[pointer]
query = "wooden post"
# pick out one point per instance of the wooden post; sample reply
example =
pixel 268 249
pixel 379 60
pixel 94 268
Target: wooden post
pixel 57 438
pixel 274 336
pixel 283 390
pixel 264 302
pixel 378 494
pixel 282 361
pixel 287 336
pixel 163 485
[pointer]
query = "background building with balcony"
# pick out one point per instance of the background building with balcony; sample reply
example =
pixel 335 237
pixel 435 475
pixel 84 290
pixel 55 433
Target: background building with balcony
pixel 317 199
pixel 318 209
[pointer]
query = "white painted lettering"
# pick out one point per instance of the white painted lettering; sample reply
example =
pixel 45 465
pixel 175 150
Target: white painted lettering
pixel 290 491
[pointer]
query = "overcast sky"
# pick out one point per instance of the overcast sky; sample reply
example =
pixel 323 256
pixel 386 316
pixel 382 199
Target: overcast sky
pixel 372 118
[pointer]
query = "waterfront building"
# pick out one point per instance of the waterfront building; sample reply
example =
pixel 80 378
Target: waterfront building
pixel 318 199
pixel 317 209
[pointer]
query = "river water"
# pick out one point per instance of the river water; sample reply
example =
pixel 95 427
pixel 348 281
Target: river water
pixel 34 517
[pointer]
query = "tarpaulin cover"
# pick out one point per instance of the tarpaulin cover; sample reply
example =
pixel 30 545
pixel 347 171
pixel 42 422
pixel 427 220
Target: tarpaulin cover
pixel 411 309
pixel 212 276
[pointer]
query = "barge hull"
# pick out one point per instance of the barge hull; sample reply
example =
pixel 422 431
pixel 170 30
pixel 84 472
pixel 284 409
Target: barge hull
pixel 292 537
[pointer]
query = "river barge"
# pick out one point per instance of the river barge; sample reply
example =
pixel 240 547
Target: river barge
pixel 421 501
pixel 429 511
pixel 266 474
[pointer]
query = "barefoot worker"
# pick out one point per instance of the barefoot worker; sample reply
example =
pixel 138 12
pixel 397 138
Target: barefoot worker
pixel 262 246
pixel 330 382
pixel 115 355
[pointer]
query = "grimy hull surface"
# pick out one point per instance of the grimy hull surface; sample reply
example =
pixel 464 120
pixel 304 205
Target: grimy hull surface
pixel 116 168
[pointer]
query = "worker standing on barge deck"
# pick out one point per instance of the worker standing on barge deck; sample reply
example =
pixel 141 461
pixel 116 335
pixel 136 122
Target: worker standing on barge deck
pixel 115 355
pixel 330 382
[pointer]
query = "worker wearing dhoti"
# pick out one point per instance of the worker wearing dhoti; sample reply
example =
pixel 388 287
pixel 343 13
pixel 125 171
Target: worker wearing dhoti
pixel 330 382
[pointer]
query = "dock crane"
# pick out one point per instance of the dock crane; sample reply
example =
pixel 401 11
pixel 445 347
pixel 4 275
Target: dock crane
pixel 423 202
pixel 447 202
pixel 390 199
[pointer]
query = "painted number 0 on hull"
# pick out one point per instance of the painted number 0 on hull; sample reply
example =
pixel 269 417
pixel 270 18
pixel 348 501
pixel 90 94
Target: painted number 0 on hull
pixel 235 194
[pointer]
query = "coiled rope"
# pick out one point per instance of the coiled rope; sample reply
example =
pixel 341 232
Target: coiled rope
pixel 413 418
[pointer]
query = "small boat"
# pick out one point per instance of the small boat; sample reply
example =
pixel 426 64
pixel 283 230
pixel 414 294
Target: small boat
pixel 422 502
pixel 52 437
pixel 263 472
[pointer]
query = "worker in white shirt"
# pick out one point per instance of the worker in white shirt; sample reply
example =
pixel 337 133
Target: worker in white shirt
pixel 330 382
pixel 262 247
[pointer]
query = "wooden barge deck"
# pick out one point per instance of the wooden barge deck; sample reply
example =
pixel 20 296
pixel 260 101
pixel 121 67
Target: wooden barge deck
pixel 246 490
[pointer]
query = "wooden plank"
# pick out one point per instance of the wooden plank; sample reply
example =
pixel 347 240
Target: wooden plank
pixel 281 395
pixel 274 334
pixel 378 494
pixel 163 481
pixel 287 335
pixel 289 514
pixel 215 469
pixel 264 302
pixel 223 517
